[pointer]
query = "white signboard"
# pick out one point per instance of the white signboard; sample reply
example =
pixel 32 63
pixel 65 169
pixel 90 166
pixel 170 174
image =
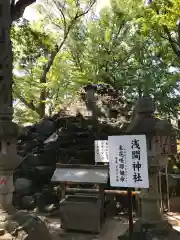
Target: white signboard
pixel 101 151
pixel 128 161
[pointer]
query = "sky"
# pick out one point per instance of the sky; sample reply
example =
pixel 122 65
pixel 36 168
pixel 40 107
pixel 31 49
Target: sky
pixel 30 12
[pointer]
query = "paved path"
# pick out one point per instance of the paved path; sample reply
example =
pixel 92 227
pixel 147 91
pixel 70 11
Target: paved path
pixel 113 228
pixel 110 231
pixel 174 220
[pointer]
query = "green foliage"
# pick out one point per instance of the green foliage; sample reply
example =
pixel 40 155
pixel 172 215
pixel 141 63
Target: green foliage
pixel 128 61
pixel 127 46
pixel 39 57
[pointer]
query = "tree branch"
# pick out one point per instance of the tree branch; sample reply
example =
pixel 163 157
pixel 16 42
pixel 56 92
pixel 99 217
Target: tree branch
pixel 166 30
pixel 60 8
pixel 17 9
pixel 178 28
pixel 166 38
pixel 77 60
pixel 173 45
pixel 58 48
pixel 50 62
pixel 30 105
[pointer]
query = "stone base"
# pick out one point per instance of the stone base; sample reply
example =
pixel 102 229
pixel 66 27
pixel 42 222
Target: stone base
pixel 161 231
pixel 23 226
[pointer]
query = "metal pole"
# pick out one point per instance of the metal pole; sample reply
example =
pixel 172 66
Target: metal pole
pixel 130 212
pixel 167 189
pixel 160 191
pixel 107 191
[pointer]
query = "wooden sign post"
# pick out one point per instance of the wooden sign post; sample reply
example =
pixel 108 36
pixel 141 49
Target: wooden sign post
pixel 128 165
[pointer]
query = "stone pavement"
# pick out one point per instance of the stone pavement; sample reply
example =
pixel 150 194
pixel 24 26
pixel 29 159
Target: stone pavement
pixel 110 231
pixel 174 220
pixel 112 228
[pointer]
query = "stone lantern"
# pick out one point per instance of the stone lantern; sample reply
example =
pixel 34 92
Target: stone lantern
pixel 91 101
pixel 158 134
pixel 90 90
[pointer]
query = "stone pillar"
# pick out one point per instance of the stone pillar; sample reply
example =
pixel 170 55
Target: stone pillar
pixel 150 200
pixel 13 224
pixel 9 159
pixel 159 147
pixel 5 61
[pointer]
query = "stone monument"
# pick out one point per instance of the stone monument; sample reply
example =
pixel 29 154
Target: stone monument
pixel 13 224
pixel 159 137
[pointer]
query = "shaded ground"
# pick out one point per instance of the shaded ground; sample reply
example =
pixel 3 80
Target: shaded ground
pixel 111 229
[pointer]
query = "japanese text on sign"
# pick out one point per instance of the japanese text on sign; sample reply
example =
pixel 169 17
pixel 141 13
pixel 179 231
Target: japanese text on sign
pixel 101 151
pixel 136 157
pixel 121 167
pixel 128 161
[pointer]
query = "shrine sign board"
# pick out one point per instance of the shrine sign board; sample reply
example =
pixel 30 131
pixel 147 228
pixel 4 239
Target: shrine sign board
pixel 128 161
pixel 101 151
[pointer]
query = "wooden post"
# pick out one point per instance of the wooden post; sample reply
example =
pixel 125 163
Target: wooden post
pixel 130 212
pixel 101 192
pixel 63 190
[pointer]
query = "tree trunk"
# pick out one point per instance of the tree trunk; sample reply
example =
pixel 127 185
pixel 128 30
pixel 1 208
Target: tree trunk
pixel 42 104
pixel 178 121
pixel 18 8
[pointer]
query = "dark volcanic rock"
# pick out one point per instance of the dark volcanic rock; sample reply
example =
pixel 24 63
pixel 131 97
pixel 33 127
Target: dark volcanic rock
pixel 24 226
pixel 28 202
pixel 23 185
pixel 64 139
